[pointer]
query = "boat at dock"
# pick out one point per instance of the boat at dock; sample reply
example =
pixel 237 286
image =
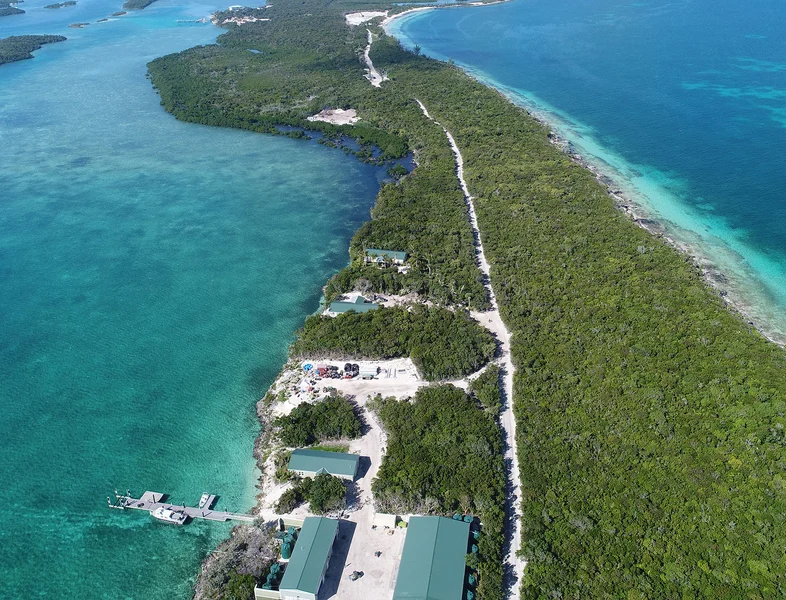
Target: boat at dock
pixel 167 515
pixel 157 505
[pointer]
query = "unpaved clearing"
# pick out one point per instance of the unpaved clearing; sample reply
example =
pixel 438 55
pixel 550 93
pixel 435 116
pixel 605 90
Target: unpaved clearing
pixel 397 377
pixel 336 116
pixel 379 572
pixel 357 540
pixel 386 300
pixel 359 18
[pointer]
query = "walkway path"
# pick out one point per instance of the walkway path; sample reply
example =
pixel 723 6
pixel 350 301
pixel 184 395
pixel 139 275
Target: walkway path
pixel 151 501
pixel 514 566
pixel 375 77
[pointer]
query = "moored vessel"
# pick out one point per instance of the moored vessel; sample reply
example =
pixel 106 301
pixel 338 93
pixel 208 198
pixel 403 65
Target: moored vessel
pixel 167 515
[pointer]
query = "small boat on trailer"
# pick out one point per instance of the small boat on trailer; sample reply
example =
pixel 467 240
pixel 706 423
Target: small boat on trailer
pixel 168 515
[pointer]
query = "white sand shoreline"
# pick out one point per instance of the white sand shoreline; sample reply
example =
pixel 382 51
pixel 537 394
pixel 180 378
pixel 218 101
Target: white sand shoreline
pixel 388 20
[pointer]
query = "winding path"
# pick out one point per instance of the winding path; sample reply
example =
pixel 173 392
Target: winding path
pixel 375 77
pixel 491 319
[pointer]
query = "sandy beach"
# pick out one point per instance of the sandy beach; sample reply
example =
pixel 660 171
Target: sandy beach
pixel 388 20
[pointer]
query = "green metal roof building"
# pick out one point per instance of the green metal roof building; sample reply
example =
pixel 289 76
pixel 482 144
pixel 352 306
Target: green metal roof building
pixel 307 567
pixel 310 463
pixel 433 561
pixel 359 304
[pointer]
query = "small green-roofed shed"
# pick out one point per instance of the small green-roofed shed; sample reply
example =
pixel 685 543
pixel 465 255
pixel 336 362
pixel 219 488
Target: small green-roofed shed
pixel 433 561
pixel 359 304
pixel 397 256
pixel 306 569
pixel 310 463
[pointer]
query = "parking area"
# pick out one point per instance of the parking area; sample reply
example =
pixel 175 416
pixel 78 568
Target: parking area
pixel 355 550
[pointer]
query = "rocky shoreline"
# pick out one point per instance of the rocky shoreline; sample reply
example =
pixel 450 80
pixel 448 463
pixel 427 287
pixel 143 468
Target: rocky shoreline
pixel 715 276
pixel 249 549
pixel 712 274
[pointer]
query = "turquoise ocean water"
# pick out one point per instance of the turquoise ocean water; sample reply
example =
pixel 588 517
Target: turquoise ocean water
pixel 152 273
pixel 683 102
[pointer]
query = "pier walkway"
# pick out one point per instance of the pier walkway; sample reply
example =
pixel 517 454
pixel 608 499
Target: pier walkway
pixel 151 501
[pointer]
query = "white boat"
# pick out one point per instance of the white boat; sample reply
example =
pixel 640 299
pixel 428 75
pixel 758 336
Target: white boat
pixel 203 500
pixel 167 515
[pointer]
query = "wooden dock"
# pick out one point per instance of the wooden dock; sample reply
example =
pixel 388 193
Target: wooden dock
pixel 151 501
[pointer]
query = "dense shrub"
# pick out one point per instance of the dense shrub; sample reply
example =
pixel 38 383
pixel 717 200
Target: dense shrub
pixel 443 344
pixel 444 454
pixel 330 419
pixel 326 493
pixel 486 389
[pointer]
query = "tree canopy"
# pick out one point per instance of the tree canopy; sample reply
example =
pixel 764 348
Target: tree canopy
pixel 650 418
pixel 330 419
pixel 21 47
pixel 443 344
pixel 444 454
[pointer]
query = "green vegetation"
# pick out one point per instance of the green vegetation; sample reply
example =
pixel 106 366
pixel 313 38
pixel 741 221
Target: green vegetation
pixel 307 60
pixel 331 447
pixel 7 10
pixel 333 418
pixel 650 418
pixel 281 465
pixel 137 4
pixel 486 389
pixel 61 4
pixel 237 563
pixel 444 454
pixel 21 47
pixel 326 494
pixel 240 587
pixel 442 344
pixel 648 414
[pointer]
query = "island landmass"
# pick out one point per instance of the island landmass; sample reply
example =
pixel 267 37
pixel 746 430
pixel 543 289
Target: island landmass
pixel 21 47
pixel 137 4
pixel 61 4
pixel 649 415
pixel 6 10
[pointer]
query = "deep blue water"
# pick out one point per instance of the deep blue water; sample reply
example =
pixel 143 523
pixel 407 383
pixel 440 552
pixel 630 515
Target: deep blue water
pixel 152 274
pixel 684 101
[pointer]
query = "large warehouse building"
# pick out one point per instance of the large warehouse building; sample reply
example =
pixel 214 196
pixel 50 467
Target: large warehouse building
pixel 433 562
pixel 306 569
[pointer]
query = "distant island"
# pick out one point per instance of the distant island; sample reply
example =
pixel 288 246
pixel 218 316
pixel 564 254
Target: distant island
pixel 137 4
pixel 78 25
pixel 6 10
pixel 61 4
pixel 119 13
pixel 21 47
